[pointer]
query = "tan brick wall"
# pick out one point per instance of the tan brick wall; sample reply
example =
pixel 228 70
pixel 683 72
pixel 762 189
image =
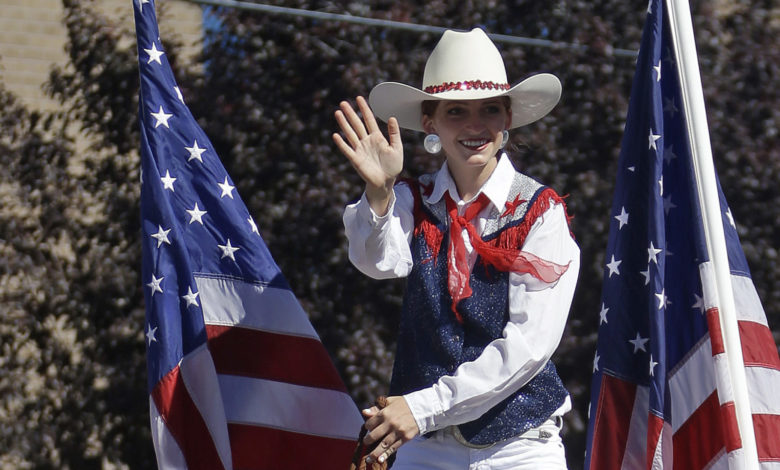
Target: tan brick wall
pixel 32 39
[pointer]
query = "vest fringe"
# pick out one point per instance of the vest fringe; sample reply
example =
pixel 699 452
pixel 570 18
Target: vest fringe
pixel 422 223
pixel 513 237
pixel 432 235
pixel 510 238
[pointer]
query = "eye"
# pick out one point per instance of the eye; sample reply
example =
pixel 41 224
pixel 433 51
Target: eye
pixel 493 109
pixel 455 110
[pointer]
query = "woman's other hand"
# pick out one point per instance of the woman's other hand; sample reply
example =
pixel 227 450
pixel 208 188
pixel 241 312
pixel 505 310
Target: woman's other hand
pixel 391 427
pixel 377 160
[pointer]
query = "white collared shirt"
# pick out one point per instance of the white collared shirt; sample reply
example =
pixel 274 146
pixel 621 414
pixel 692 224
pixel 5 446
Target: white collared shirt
pixel 379 247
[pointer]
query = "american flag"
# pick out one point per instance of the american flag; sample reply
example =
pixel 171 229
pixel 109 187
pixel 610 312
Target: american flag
pixel 660 395
pixel 238 378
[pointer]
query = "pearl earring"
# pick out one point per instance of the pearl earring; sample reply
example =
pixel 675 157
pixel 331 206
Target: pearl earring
pixel 432 143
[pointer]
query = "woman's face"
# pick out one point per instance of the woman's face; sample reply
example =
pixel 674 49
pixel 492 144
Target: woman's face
pixel 470 130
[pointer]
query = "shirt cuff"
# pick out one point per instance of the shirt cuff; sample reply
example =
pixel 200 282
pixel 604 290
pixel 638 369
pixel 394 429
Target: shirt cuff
pixel 425 407
pixel 365 212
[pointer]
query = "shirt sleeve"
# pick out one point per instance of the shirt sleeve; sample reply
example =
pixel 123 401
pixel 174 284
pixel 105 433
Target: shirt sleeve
pixel 537 316
pixel 379 246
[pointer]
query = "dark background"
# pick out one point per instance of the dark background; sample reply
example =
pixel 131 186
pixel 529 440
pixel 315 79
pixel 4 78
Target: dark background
pixel 72 370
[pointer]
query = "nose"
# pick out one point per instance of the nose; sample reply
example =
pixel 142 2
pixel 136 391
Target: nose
pixel 476 123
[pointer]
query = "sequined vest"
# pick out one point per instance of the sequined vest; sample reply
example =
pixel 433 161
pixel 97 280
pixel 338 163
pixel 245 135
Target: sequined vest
pixel 432 343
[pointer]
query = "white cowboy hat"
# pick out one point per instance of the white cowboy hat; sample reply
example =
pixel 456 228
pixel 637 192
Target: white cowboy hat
pixel 465 66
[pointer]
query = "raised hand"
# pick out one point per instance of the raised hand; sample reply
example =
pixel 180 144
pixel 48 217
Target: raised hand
pixel 377 160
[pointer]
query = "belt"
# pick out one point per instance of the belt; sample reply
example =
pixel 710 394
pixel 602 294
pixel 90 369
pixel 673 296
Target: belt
pixel 540 432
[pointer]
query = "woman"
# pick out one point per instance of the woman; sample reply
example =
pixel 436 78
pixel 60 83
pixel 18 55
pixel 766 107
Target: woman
pixel 490 262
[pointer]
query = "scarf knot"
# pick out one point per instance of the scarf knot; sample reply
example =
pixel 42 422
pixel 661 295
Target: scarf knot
pixel 502 259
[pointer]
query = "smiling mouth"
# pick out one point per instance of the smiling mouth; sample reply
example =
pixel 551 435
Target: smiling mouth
pixel 475 144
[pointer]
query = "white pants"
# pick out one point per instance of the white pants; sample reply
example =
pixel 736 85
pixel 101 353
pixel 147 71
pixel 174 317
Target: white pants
pixel 442 452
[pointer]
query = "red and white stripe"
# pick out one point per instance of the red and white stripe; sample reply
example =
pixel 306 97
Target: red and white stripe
pixel 702 432
pixel 762 369
pixel 264 394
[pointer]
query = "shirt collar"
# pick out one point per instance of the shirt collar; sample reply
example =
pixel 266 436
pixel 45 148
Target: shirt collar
pixel 496 188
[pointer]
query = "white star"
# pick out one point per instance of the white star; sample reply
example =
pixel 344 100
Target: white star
pixel 622 218
pixel 596 362
pixel 196 214
pixel 141 5
pixel 668 204
pixel 657 69
pixel 652 138
pixel 178 94
pixel 699 304
pixel 154 54
pixel 603 314
pixel 195 152
pixel 669 154
pixel 191 297
pixel 662 302
pixel 731 218
pixel 639 343
pixel 650 6
pixel 631 169
pixel 652 366
pixel 227 189
pixel 253 225
pixel 670 107
pixel 613 266
pixel 228 250
pixel 155 285
pixel 162 118
pixel 646 274
pixel 150 334
pixel 161 236
pixel 652 252
pixel 661 186
pixel 167 181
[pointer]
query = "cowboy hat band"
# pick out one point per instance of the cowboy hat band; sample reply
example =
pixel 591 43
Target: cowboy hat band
pixel 465 66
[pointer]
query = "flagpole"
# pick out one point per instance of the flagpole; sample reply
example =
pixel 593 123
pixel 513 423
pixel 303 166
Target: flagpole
pixel 704 169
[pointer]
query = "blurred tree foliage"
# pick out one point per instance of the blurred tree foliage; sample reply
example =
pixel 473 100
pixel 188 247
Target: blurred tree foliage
pixel 72 372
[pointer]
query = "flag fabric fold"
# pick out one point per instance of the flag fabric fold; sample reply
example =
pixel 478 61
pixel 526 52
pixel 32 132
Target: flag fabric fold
pixel 237 376
pixel 661 395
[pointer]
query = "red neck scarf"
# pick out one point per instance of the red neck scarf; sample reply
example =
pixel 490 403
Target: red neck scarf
pixel 503 259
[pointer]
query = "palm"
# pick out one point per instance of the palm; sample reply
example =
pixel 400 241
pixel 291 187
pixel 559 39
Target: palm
pixel 376 159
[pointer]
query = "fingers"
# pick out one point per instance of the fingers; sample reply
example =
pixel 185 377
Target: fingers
pixel 390 450
pixel 368 115
pixel 375 432
pixel 350 121
pixel 384 450
pixel 353 119
pixel 389 428
pixel 394 133
pixel 376 160
pixel 346 127
pixel 395 418
pixel 370 412
pixel 343 146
